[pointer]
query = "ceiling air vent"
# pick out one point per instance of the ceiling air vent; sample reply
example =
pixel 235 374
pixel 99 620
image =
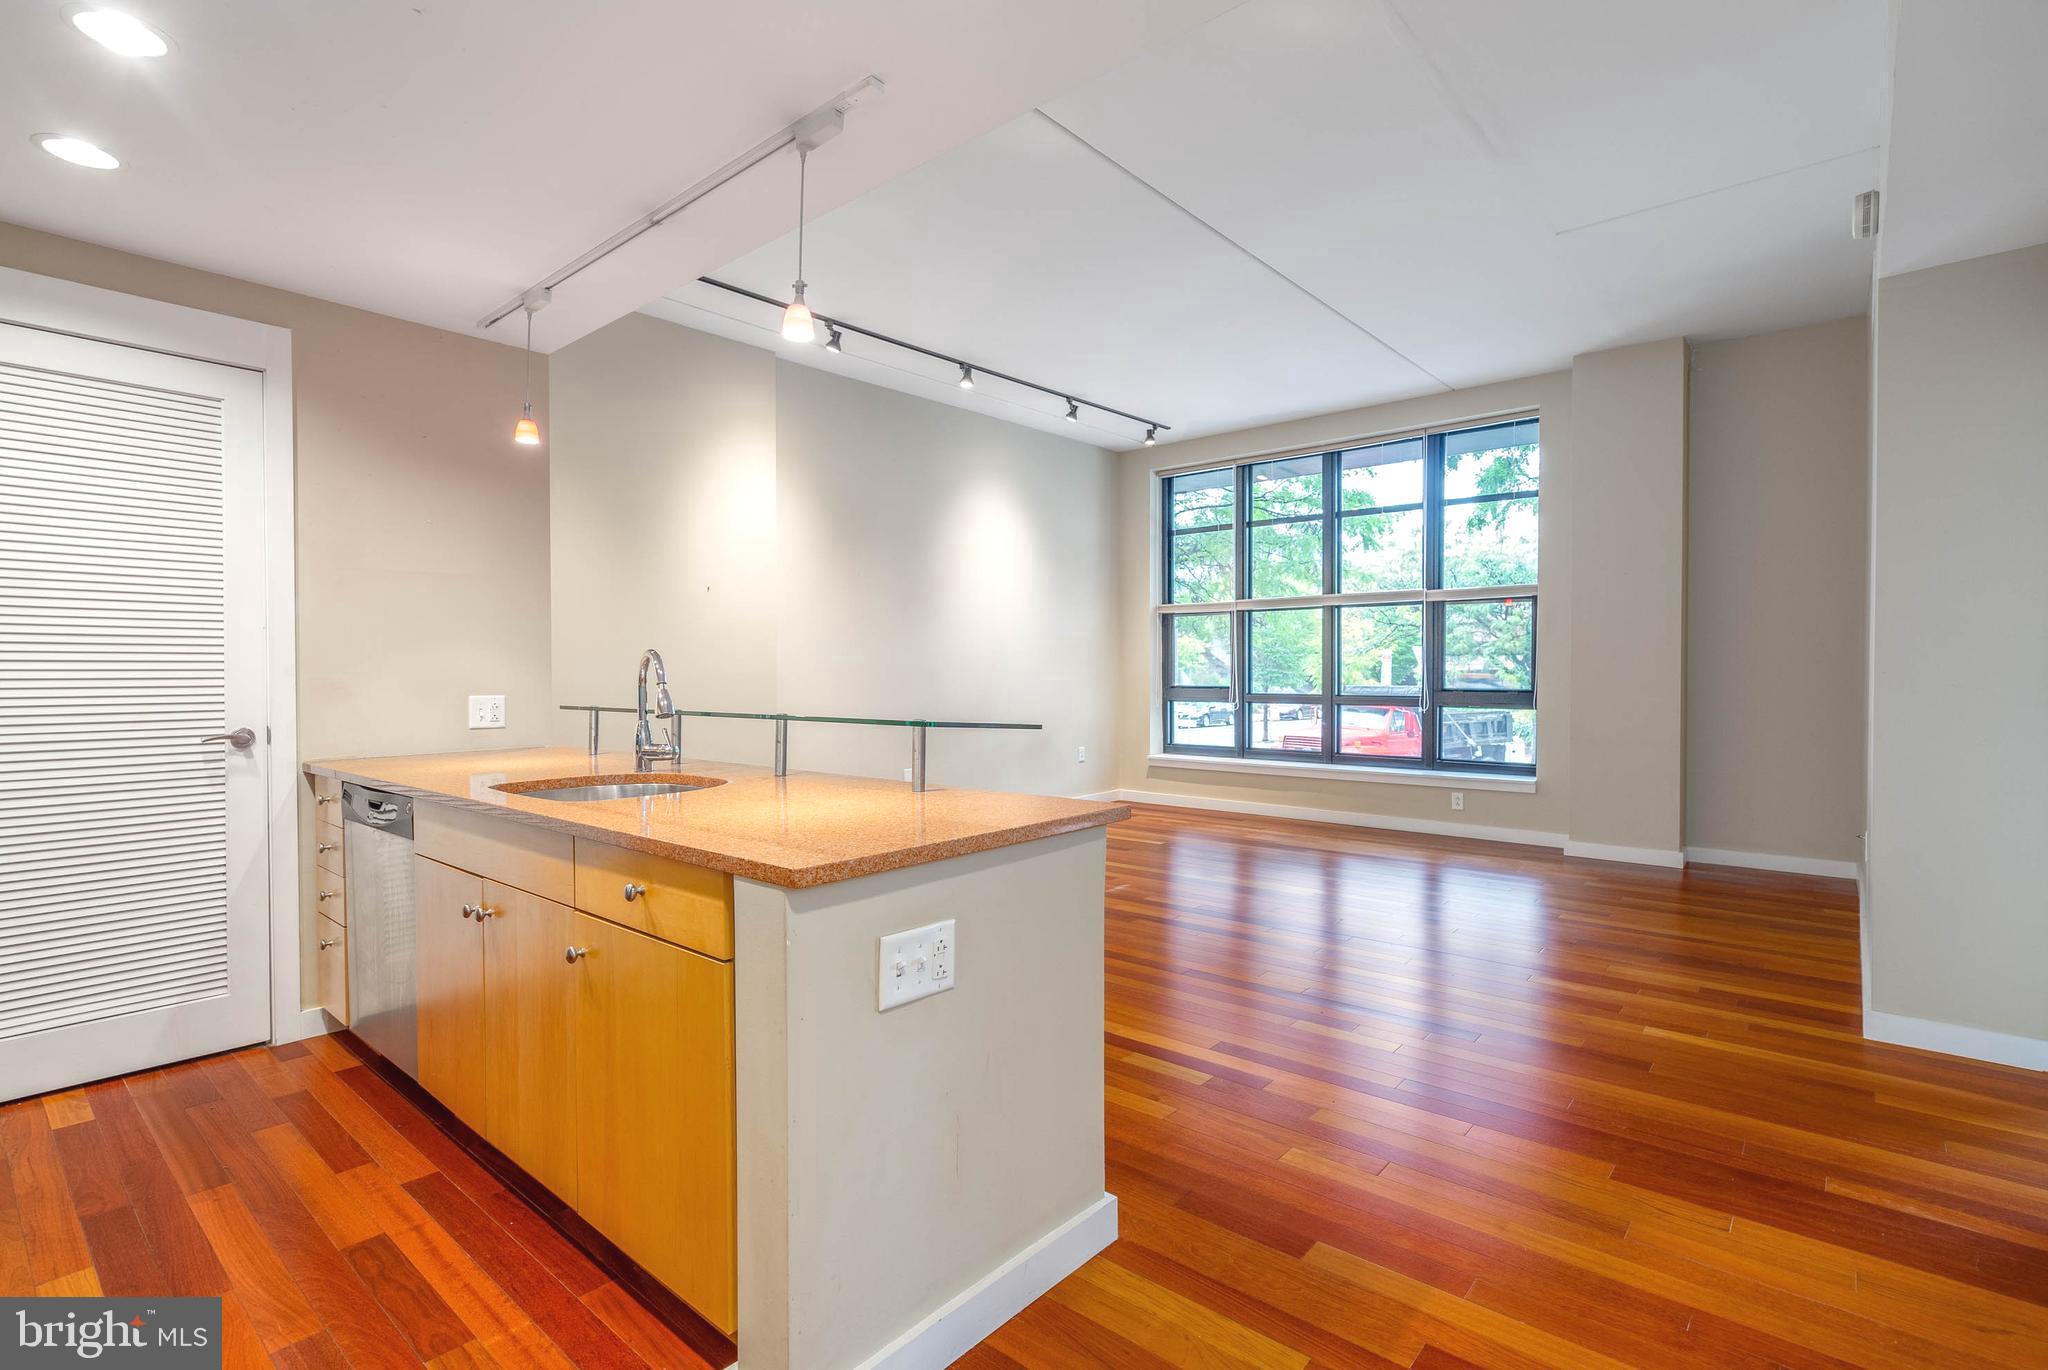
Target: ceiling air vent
pixel 1863 218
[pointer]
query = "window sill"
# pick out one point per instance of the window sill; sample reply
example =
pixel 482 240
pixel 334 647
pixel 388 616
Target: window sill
pixel 1319 770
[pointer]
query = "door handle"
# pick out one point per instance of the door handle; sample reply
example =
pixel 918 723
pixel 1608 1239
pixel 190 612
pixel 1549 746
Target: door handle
pixel 241 738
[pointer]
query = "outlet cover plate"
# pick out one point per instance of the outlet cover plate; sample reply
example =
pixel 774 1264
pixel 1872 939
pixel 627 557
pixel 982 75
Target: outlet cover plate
pixel 487 711
pixel 916 965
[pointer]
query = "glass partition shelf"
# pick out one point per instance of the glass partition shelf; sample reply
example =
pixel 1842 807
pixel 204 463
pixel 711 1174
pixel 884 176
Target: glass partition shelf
pixel 918 728
pixel 803 718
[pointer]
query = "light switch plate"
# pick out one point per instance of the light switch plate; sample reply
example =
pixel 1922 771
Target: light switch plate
pixel 487 711
pixel 916 964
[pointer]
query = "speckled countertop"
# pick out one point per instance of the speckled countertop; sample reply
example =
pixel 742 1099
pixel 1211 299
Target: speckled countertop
pixel 805 829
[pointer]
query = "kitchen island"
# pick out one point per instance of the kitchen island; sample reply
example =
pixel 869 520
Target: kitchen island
pixel 673 1020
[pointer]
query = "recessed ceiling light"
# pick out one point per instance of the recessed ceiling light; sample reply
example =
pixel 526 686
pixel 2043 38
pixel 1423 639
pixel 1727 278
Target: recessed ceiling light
pixel 77 151
pixel 118 32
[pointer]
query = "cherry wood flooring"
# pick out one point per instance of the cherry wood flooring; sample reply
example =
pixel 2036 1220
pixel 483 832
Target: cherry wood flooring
pixel 1373 1100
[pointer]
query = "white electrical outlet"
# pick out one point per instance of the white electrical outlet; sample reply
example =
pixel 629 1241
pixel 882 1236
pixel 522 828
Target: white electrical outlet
pixel 487 711
pixel 1081 754
pixel 1457 801
pixel 915 965
pixel 906 772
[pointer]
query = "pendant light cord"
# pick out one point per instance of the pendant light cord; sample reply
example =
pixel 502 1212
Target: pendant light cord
pixel 526 383
pixel 803 166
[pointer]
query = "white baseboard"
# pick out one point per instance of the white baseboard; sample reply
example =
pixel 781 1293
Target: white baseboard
pixel 1527 837
pixel 1953 1039
pixel 1635 856
pixel 1770 861
pixel 962 1321
pixel 295 1027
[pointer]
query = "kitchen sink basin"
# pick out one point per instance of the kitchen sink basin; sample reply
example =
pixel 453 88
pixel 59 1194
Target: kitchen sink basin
pixel 590 794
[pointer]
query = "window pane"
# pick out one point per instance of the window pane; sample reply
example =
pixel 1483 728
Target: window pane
pixel 1201 649
pixel 1379 649
pixel 1287 559
pixel 1490 645
pixel 1288 728
pixel 1204 498
pixel 1286 489
pixel 1490 544
pixel 1496 735
pixel 1204 567
pixel 1287 652
pixel 1381 551
pixel 1493 460
pixel 1384 730
pixel 1390 473
pixel 1194 723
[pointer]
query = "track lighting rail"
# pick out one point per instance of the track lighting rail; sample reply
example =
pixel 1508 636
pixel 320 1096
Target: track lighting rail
pixel 839 325
pixel 808 131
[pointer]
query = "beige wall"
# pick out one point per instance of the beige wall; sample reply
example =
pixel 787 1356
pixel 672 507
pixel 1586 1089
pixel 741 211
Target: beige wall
pixel 1543 813
pixel 1628 615
pixel 1956 922
pixel 406 470
pixel 795 541
pixel 1776 593
pixel 422 530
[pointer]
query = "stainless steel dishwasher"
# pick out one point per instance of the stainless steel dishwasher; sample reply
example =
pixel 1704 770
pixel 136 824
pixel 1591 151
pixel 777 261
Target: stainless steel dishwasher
pixel 382 937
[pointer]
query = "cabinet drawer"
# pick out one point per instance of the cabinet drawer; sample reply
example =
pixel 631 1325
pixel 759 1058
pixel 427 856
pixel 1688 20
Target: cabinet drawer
pixel 332 949
pixel 527 858
pixel 327 848
pixel 687 905
pixel 330 896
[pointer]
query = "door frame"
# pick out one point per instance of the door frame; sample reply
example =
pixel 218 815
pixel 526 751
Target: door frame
pixel 60 306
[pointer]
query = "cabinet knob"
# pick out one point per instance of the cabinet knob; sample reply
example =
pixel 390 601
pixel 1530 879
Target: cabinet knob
pixel 574 954
pixel 327 942
pixel 328 894
pixel 326 846
pixel 634 891
pixel 324 799
pixel 484 911
pixel 470 911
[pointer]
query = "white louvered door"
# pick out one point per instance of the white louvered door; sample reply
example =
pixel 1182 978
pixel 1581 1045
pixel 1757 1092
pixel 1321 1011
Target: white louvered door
pixel 133 865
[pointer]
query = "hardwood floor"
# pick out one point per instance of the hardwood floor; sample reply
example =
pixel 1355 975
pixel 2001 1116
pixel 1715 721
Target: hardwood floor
pixel 1383 1100
pixel 1373 1100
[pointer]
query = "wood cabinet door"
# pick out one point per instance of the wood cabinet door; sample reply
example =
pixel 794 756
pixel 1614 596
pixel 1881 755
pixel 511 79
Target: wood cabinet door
pixel 451 988
pixel 529 1034
pixel 654 1108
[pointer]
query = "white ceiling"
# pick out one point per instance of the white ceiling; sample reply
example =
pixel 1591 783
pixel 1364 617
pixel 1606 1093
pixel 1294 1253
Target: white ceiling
pixel 1967 162
pixel 1306 205
pixel 430 159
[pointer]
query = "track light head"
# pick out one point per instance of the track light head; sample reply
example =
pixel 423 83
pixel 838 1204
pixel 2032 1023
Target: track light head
pixel 832 343
pixel 1073 412
pixel 1151 434
pixel 966 376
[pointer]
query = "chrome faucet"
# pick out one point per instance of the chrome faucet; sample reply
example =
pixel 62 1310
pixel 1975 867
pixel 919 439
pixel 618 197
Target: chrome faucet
pixel 645 748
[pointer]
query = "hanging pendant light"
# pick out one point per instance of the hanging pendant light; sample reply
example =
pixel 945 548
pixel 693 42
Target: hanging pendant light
pixel 526 432
pixel 797 324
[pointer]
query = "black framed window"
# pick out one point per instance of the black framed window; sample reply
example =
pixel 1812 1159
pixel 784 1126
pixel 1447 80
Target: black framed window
pixel 1373 604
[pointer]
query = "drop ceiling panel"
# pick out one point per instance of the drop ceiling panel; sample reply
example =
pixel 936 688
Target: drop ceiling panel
pixel 1030 253
pixel 1617 107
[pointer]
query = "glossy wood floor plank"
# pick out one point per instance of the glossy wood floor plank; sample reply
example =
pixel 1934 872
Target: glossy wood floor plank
pixel 1379 1099
pixel 1372 1100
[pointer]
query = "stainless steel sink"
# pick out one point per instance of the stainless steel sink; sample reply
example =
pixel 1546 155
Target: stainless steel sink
pixel 590 794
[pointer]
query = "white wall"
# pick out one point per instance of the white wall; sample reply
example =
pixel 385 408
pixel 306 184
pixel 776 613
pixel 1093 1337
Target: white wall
pixel 941 564
pixel 794 541
pixel 1956 912
pixel 1778 532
